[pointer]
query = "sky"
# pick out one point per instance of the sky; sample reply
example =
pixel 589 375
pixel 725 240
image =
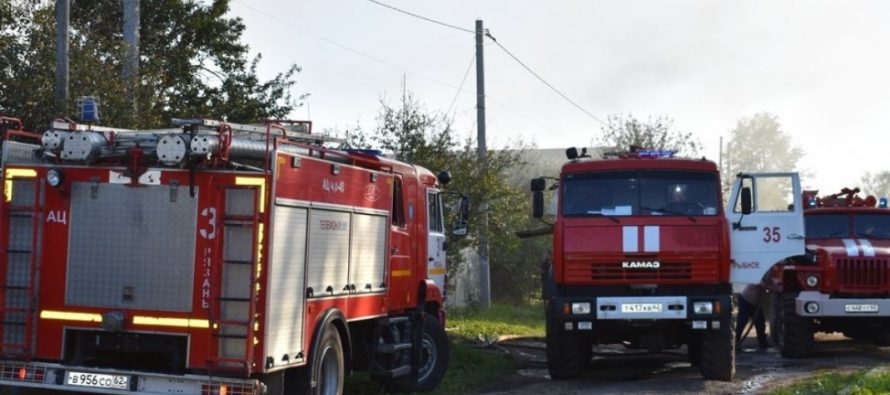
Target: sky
pixel 823 67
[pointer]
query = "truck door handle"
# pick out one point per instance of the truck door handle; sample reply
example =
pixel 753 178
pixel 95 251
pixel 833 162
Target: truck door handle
pixel 795 236
pixel 432 259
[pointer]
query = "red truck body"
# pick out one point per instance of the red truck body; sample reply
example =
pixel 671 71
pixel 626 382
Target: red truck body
pixel 127 275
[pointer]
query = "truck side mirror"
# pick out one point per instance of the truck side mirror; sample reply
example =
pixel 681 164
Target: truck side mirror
pixel 538 184
pixel 538 204
pixel 461 225
pixel 746 200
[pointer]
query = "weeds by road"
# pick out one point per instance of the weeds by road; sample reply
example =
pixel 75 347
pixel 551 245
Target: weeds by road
pixel 472 365
pixel 875 381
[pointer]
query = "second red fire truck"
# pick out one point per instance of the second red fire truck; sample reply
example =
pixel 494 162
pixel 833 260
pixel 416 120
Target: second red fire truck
pixel 217 259
pixel 842 284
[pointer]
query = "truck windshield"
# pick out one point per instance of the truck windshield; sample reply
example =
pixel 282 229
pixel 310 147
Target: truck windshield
pixel 648 192
pixel 872 226
pixel 869 226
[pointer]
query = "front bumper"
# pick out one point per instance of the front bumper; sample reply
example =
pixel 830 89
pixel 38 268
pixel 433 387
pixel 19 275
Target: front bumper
pixel 56 377
pixel 643 309
pixel 828 307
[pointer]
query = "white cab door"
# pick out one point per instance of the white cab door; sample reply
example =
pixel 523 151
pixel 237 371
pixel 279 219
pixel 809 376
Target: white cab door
pixel 436 238
pixel 772 231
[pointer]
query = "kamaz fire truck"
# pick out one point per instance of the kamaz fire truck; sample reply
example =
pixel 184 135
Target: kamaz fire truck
pixel 217 259
pixel 842 284
pixel 641 257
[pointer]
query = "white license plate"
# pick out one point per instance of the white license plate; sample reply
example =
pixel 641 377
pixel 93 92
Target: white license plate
pixel 641 308
pixel 861 308
pixel 114 381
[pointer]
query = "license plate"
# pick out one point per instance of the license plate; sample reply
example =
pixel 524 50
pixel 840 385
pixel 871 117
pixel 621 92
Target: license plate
pixel 114 381
pixel 641 308
pixel 861 308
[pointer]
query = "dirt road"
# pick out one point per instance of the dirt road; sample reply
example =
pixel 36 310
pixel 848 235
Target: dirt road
pixel 615 370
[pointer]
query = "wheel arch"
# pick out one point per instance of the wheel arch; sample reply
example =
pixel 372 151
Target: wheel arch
pixel 332 316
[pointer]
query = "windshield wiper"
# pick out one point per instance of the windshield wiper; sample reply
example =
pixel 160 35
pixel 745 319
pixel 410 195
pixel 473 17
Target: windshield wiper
pixel 600 214
pixel 663 210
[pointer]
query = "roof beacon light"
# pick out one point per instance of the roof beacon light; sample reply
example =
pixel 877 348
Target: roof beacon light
pixel 88 107
pixel 811 202
pixel 882 203
pixel 655 153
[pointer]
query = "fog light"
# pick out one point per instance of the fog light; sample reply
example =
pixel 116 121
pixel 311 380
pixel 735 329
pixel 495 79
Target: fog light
pixel 811 307
pixel 54 177
pixel 699 324
pixel 715 324
pixel 568 326
pixel 581 308
pixel 703 308
pixel 812 281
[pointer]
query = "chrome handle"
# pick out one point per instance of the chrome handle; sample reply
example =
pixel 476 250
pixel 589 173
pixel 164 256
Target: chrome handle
pixel 795 236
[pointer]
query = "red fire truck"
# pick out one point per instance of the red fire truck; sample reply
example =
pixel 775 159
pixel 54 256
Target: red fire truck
pixel 641 257
pixel 215 259
pixel 842 284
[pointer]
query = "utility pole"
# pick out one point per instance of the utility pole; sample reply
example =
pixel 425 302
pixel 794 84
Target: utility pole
pixel 484 278
pixel 131 64
pixel 63 12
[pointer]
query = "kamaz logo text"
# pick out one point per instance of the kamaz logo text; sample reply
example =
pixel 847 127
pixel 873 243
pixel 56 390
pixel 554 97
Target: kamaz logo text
pixel 641 265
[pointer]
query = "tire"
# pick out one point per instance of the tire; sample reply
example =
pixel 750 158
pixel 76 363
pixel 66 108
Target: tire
pixel 434 360
pixel 327 368
pixel 568 352
pixel 794 334
pixel 693 349
pixel 717 351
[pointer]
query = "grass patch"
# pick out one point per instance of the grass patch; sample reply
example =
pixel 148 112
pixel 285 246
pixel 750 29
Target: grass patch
pixel 857 383
pixel 471 366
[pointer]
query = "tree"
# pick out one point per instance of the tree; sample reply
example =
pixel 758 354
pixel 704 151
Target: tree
pixel 758 144
pixel 877 183
pixel 655 133
pixel 192 63
pixel 411 133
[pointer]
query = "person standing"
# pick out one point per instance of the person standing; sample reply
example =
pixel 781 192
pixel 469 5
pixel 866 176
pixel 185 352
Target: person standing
pixel 749 301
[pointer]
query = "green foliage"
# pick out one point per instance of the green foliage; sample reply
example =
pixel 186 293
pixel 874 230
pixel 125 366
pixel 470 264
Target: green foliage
pixel 655 133
pixel 413 134
pixel 877 183
pixel 192 63
pixel 498 320
pixel 830 383
pixel 758 144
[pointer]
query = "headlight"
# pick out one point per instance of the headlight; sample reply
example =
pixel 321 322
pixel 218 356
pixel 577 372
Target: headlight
pixel 54 177
pixel 812 281
pixel 580 308
pixel 811 307
pixel 703 307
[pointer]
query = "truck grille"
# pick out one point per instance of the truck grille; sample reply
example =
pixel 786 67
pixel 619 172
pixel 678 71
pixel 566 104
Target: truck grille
pixel 862 275
pixel 614 272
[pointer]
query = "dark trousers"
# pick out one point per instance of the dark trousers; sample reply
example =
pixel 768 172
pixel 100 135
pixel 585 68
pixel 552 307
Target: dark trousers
pixel 746 310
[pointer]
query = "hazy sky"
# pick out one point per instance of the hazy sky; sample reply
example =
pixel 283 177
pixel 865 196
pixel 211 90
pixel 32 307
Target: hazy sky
pixel 822 67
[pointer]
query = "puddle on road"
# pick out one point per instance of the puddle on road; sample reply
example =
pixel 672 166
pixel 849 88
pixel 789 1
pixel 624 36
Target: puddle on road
pixel 535 373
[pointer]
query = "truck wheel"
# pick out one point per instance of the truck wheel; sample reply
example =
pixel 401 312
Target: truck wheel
pixel 327 366
pixel 794 334
pixel 568 352
pixel 433 363
pixel 693 349
pixel 717 351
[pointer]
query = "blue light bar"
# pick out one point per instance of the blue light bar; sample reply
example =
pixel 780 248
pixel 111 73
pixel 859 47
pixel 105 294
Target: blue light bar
pixel 882 203
pixel 811 202
pixel 656 153
pixel 88 107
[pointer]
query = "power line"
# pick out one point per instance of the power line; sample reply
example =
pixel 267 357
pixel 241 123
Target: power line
pixel 461 87
pixel 543 80
pixel 397 67
pixel 422 17
pixel 345 47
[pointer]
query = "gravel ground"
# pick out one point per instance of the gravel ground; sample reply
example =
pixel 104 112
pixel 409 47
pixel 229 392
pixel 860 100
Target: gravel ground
pixel 615 370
